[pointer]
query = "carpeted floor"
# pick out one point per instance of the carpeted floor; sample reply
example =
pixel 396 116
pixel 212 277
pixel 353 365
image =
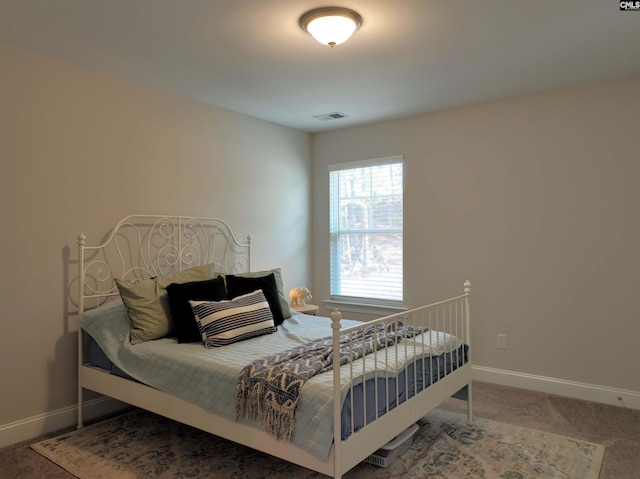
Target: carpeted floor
pixel 616 428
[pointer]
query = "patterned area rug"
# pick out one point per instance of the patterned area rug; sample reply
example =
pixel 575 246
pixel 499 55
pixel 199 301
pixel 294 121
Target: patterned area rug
pixel 142 445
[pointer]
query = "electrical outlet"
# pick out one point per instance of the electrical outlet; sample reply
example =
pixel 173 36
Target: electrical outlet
pixel 501 341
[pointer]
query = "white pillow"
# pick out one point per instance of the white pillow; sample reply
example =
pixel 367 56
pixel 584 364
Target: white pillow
pixel 230 321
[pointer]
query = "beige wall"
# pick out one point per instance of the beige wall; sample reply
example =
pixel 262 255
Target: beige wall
pixel 78 151
pixel 536 200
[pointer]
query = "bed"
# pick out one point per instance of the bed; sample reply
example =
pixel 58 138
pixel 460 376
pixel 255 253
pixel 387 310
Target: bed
pixel 393 370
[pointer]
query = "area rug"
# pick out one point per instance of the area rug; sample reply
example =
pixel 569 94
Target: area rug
pixel 139 444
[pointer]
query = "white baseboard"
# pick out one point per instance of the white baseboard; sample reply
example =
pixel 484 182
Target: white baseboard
pixel 560 387
pixel 52 421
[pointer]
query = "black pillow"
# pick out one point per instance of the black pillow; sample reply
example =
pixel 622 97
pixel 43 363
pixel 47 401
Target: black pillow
pixel 238 285
pixel 185 327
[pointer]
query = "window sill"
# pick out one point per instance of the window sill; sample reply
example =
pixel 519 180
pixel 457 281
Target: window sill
pixel 361 308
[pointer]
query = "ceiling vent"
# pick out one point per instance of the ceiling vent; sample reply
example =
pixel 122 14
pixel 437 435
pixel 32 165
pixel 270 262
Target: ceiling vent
pixel 331 116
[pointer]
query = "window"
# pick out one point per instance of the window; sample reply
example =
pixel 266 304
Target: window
pixel 365 225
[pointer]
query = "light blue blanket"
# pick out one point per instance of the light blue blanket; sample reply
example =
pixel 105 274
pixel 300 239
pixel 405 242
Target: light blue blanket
pixel 208 377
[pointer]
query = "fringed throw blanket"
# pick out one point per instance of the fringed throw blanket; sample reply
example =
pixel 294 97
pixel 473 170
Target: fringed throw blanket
pixel 269 389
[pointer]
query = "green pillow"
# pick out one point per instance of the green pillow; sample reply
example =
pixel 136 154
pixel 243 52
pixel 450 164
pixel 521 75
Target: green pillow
pixel 284 301
pixel 147 302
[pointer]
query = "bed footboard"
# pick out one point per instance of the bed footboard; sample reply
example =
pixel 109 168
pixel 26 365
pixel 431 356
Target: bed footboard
pixel 423 359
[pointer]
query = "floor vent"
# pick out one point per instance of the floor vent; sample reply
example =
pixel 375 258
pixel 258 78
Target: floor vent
pixel 331 116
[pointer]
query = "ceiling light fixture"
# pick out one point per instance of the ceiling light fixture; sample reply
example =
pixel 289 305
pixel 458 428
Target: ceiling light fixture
pixel 331 25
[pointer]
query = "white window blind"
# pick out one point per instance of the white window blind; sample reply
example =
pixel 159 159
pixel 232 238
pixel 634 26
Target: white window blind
pixel 365 226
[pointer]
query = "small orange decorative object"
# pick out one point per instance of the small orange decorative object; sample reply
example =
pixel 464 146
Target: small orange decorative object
pixel 299 296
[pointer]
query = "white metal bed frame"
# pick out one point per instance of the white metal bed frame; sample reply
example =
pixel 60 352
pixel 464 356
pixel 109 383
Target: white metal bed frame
pixel 143 246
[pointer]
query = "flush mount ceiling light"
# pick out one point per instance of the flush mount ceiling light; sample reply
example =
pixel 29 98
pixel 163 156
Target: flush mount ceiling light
pixel 331 25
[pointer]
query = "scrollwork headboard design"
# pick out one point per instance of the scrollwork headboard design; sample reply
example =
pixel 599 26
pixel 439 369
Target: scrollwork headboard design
pixel 145 246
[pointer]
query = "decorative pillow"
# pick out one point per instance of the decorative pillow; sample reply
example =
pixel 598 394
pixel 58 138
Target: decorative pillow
pixel 237 285
pixel 147 302
pixel 234 320
pixel 284 298
pixel 185 327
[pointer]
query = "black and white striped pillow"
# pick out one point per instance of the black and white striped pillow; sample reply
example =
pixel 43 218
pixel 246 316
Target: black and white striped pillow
pixel 229 321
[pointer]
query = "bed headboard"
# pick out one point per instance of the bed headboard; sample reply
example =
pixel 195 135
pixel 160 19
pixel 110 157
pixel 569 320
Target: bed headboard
pixel 139 247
